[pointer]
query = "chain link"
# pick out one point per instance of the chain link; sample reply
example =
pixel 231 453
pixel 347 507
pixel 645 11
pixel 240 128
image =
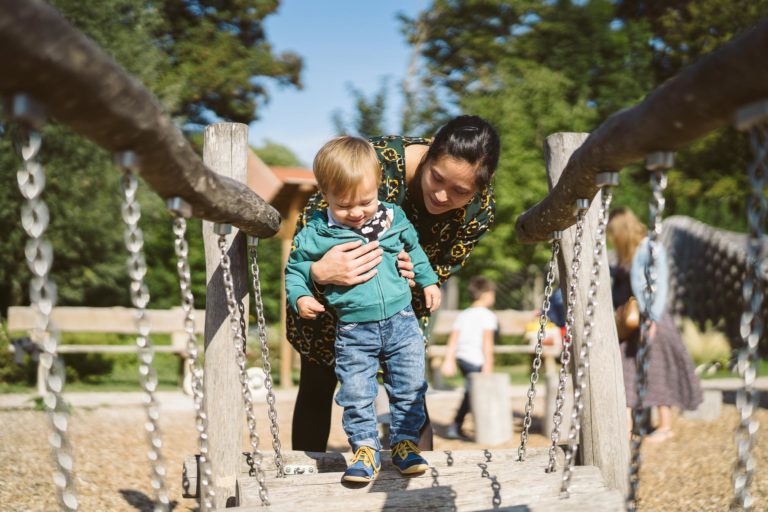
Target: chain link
pixel 752 326
pixel 42 294
pixel 181 247
pixel 543 319
pixel 589 326
pixel 137 269
pixel 262 329
pixel 565 356
pixel 256 458
pixel 642 358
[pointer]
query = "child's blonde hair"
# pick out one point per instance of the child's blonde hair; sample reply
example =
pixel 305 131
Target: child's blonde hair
pixel 344 163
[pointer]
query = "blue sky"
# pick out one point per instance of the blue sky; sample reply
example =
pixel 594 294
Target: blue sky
pixel 341 41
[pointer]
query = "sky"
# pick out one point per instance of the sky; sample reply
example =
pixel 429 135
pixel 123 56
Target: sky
pixel 341 42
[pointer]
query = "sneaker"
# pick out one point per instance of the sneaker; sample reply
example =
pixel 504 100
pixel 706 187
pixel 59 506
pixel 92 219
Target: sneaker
pixel 406 457
pixel 364 467
pixel 454 432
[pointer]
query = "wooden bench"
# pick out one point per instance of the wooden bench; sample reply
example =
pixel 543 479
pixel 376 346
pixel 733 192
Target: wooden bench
pixel 117 320
pixel 511 323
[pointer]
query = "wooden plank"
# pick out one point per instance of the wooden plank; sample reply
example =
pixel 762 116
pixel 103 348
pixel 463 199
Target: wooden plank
pixel 460 487
pixel 511 321
pixel 439 350
pixel 604 428
pixel 224 151
pixel 108 320
pixel 701 98
pixel 83 88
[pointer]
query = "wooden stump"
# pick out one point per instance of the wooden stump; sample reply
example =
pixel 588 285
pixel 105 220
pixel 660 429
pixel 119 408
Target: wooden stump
pixel 491 407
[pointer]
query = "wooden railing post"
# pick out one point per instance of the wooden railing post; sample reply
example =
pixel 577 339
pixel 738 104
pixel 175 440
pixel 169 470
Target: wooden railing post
pixel 604 431
pixel 224 152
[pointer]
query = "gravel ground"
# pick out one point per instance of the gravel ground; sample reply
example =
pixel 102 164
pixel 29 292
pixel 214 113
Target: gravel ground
pixel 688 472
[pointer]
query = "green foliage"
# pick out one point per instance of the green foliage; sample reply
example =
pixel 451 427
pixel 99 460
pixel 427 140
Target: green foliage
pixel 273 153
pixel 367 119
pixel 204 60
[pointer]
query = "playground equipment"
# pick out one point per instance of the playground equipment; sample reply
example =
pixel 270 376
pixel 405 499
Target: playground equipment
pixel 84 89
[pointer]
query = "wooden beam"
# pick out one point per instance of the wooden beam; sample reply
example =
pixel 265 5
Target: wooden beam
pixel 704 96
pixel 604 430
pixel 225 152
pixel 42 55
pixel 511 321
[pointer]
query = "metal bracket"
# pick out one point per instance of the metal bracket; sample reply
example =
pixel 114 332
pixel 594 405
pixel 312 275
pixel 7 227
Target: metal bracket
pixel 750 115
pixel 178 206
pixel 607 179
pixel 300 469
pixel 222 229
pixel 252 241
pixel 582 204
pixel 127 160
pixel 555 235
pixel 660 160
pixel 26 109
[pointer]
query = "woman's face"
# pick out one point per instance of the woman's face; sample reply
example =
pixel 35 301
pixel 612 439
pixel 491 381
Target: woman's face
pixel 447 183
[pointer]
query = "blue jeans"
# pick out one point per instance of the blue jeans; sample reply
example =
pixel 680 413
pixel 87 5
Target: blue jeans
pixel 466 369
pixel 398 345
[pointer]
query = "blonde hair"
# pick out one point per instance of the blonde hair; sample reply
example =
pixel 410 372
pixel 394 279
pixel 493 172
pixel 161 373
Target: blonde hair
pixel 344 163
pixel 625 232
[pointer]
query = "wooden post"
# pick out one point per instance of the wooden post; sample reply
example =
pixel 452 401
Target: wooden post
pixel 491 407
pixel 286 239
pixel 604 429
pixel 224 152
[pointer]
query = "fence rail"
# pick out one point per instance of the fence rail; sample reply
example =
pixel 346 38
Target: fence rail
pixel 703 97
pixel 45 57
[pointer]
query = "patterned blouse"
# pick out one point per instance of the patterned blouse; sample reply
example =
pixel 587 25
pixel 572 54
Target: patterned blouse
pixel 446 238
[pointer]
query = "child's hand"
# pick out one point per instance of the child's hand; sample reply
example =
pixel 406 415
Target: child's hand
pixel 448 367
pixel 309 307
pixel 432 297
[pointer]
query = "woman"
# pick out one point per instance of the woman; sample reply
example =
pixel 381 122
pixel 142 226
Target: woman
pixel 671 379
pixel 445 189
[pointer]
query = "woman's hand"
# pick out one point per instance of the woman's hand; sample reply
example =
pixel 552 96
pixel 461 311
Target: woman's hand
pixel 309 307
pixel 432 297
pixel 405 265
pixel 347 264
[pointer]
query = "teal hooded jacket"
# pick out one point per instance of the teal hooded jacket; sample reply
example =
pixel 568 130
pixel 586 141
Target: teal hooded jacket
pixel 385 294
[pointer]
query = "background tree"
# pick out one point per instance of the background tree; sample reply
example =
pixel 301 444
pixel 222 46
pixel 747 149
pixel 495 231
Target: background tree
pixel 206 60
pixel 368 114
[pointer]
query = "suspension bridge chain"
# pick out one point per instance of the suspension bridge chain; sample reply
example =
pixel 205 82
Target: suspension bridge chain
pixel 262 330
pixel 753 294
pixel 657 163
pixel 565 357
pixel 543 319
pixel 42 293
pixel 137 270
pixel 256 458
pixel 181 248
pixel 580 387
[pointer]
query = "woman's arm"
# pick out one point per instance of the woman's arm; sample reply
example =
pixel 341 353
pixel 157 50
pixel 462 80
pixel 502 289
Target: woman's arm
pixel 487 351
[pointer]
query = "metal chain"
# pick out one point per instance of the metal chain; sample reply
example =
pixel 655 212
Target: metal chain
pixel 642 358
pixel 543 319
pixel 589 325
pixel 256 457
pixel 137 269
pixel 565 356
pixel 262 329
pixel 752 326
pixel 42 294
pixel 181 247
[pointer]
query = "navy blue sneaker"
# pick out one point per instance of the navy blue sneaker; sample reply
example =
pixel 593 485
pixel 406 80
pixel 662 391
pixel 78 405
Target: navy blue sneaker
pixel 405 456
pixel 364 467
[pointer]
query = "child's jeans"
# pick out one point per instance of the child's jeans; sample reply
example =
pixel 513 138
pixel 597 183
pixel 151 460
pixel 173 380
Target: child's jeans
pixel 398 344
pixel 467 369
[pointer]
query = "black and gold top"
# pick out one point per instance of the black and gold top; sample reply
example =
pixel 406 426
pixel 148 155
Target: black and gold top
pixel 447 239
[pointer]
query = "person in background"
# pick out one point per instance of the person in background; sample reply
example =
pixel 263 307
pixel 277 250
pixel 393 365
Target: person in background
pixel 671 378
pixel 470 345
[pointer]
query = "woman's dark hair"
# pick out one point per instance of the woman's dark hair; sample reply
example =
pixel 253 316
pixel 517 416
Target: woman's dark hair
pixel 469 138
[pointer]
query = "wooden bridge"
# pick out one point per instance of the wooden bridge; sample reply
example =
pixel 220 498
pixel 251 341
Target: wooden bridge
pixel 83 88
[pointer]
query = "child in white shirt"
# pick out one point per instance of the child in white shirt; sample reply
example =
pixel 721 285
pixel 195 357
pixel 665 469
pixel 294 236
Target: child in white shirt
pixel 470 344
